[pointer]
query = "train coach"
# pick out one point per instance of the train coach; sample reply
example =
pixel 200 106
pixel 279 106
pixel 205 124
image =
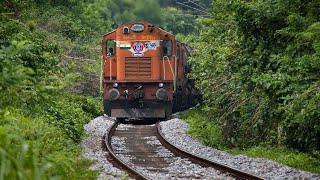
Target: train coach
pixel 144 73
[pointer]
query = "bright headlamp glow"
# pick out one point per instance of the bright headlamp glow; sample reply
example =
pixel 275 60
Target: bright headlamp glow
pixel 160 84
pixel 115 85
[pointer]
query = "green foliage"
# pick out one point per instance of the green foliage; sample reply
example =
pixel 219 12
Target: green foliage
pixel 148 11
pixel 302 118
pixel 119 12
pixel 32 149
pixel 257 64
pixel 72 116
pixel 208 133
pixel 178 22
pixel 284 156
pixel 41 124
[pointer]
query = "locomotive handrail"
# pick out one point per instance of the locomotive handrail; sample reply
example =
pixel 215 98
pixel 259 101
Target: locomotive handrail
pixel 164 72
pixel 164 68
pixel 175 73
pixel 101 74
pixel 110 67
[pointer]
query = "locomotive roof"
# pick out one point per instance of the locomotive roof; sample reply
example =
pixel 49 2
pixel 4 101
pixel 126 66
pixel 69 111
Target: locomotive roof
pixel 143 22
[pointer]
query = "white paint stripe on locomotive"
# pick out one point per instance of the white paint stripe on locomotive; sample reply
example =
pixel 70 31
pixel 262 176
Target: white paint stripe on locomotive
pixel 125 46
pixel 120 43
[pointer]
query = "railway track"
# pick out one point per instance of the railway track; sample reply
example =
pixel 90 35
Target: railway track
pixel 143 152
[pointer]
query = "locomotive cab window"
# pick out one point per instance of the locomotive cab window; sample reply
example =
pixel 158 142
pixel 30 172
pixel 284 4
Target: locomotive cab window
pixel 167 48
pixel 110 47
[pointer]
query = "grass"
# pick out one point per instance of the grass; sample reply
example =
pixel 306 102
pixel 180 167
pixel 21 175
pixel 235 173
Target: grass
pixel 46 144
pixel 210 134
pixel 283 155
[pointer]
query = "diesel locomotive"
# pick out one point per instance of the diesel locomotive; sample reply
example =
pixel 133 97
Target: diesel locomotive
pixel 144 73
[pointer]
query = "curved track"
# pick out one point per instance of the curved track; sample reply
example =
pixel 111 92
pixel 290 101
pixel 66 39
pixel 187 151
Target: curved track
pixel 144 152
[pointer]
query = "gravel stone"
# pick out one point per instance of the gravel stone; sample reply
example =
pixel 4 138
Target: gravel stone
pixel 93 149
pixel 175 130
pixel 179 168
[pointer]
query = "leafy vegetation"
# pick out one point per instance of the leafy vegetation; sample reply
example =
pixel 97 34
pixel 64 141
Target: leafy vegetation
pixel 31 148
pixel 283 155
pixel 256 62
pixel 49 78
pixel 206 131
pixel 41 123
pixel 257 65
pixel 210 134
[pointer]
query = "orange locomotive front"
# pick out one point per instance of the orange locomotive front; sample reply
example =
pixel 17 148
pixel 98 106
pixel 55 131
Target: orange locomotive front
pixel 141 68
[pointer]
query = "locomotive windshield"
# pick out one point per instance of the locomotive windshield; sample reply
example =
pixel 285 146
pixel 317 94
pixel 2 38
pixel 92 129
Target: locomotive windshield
pixel 167 47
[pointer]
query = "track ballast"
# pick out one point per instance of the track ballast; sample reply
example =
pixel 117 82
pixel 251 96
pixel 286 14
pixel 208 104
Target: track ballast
pixel 143 152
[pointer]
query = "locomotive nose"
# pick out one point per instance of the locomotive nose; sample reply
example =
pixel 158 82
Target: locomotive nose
pixel 161 94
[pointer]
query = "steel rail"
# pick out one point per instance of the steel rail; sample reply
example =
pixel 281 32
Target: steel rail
pixel 203 161
pixel 178 152
pixel 108 137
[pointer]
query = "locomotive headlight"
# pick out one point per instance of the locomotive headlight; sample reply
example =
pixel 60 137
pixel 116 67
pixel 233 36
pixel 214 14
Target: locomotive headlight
pixel 161 85
pixel 114 94
pixel 115 85
pixel 161 94
pixel 125 30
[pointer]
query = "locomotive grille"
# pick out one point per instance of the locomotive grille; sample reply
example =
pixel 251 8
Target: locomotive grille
pixel 138 68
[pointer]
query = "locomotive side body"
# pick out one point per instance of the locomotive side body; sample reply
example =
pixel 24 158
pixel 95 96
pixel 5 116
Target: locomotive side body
pixel 143 67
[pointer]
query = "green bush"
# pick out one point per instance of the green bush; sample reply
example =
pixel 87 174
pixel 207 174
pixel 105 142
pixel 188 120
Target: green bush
pixel 70 113
pixel 44 47
pixel 292 158
pixel 41 124
pixel 32 149
pixel 302 119
pixel 257 65
pixel 202 128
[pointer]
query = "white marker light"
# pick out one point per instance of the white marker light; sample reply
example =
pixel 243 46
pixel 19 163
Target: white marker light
pixel 160 84
pixel 115 85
